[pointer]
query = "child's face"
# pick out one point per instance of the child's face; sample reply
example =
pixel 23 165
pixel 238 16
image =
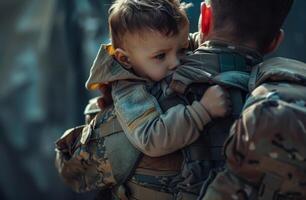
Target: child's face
pixel 153 55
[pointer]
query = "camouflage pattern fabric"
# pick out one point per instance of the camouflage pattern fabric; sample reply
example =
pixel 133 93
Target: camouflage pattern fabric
pixel 266 153
pixel 81 159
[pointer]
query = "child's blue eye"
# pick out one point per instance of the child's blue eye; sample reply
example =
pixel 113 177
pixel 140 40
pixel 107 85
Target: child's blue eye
pixel 160 56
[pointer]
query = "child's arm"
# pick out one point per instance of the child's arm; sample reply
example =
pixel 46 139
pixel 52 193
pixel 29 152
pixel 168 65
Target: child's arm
pixel 149 129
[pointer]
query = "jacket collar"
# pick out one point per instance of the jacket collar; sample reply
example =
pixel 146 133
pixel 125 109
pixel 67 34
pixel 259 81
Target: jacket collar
pixel 278 69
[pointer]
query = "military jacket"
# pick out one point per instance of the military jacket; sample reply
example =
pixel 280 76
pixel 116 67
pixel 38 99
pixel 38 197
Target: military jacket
pixel 266 151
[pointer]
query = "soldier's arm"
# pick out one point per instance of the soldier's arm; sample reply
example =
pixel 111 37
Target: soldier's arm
pixel 230 184
pixel 149 129
pixel 266 144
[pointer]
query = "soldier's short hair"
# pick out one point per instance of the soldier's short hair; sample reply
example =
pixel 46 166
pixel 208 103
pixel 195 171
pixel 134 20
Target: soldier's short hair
pixel 258 20
pixel 132 16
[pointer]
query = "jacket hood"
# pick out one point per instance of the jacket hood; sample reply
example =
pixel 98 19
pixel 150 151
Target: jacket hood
pixel 106 69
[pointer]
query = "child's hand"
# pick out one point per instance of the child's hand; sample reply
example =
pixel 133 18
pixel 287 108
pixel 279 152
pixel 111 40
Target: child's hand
pixel 216 101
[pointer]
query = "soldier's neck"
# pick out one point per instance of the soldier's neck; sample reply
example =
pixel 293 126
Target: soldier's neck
pixel 232 40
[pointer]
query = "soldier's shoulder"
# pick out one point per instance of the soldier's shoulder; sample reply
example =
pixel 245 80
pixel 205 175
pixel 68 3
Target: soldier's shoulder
pixel 269 118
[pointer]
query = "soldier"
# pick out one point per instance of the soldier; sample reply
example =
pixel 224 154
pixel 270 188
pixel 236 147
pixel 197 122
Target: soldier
pixel 265 153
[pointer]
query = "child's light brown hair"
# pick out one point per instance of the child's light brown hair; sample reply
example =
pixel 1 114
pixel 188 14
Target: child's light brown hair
pixel 134 16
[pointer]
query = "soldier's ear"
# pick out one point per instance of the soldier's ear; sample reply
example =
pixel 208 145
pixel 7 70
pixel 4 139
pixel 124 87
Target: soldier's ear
pixel 275 42
pixel 122 57
pixel 205 21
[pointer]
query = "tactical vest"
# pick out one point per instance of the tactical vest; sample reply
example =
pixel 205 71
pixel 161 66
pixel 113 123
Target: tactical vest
pixel 204 158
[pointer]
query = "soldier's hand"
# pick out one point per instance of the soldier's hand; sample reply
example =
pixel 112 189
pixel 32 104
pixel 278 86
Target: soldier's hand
pixel 106 98
pixel 217 102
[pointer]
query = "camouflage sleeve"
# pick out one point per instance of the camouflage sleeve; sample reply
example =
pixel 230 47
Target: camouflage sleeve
pixel 266 152
pixel 83 167
pixel 155 133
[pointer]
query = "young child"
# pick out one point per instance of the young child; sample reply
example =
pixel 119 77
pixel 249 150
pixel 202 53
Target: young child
pixel 148 40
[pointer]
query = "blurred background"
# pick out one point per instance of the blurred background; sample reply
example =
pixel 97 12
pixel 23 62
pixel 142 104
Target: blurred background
pixel 46 50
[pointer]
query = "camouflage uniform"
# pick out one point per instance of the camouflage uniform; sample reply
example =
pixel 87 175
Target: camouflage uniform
pixel 266 152
pixel 177 175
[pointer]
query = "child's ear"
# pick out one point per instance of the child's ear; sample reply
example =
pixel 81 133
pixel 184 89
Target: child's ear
pixel 275 42
pixel 122 57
